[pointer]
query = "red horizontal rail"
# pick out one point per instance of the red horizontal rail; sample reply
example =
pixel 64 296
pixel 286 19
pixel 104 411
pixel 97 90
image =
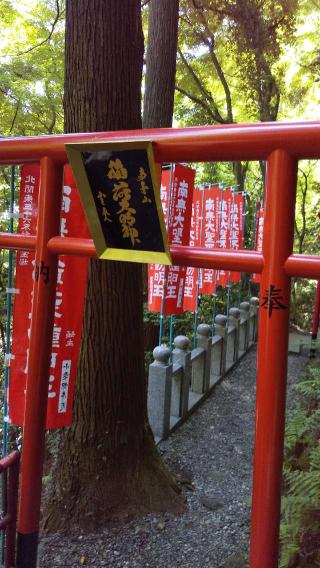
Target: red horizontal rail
pixel 69 245
pixel 299 265
pixel 9 460
pixel 18 242
pixel 303 266
pixel 240 260
pixel 197 144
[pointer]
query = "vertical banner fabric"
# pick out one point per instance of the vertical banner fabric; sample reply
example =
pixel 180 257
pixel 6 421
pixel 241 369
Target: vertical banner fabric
pixel 69 304
pixel 210 234
pixel 191 281
pixel 156 271
pixel 237 226
pixel 179 221
pixel 224 232
pixel 28 211
pixel 259 241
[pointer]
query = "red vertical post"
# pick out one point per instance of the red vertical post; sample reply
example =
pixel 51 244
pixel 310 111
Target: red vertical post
pixel 12 506
pixel 315 321
pixel 272 360
pixel 38 364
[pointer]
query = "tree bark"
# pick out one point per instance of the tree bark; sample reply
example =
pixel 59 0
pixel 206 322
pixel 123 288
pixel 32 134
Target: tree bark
pixel 107 465
pixel 161 63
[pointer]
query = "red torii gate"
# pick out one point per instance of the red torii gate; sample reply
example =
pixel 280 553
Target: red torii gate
pixel 281 145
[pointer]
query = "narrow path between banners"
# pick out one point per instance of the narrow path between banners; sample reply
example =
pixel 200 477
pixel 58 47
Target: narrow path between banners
pixel 211 456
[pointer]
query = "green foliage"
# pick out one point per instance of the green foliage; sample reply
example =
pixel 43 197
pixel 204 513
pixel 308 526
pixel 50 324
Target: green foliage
pixel 31 67
pixel 300 526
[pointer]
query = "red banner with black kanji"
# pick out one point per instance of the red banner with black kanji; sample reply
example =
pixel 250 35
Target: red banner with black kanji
pixel 224 232
pixel 236 228
pixel 192 275
pixel 258 241
pixel 180 205
pixel 210 234
pixel 69 303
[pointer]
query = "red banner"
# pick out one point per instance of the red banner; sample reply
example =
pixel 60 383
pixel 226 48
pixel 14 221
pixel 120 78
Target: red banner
pixel 71 280
pixel 224 232
pixel 191 281
pixel 237 225
pixel 178 233
pixel 210 232
pixel 259 241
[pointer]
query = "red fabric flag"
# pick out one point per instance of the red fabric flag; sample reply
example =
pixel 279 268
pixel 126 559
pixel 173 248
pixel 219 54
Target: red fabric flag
pixel 178 233
pixel 237 224
pixel 191 280
pixel 210 234
pixel 259 242
pixel 70 292
pixel 224 232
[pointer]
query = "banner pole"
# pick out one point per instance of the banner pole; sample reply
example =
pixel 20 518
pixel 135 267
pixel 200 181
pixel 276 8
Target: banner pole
pixel 244 226
pixel 165 269
pixel 171 335
pixel 215 296
pixel 231 220
pixel 7 354
pixel 255 222
pixel 8 322
pixel 199 279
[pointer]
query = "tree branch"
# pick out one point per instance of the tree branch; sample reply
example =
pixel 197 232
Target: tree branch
pixel 49 36
pixel 209 40
pixel 15 116
pixel 200 102
pixel 207 96
pixel 195 77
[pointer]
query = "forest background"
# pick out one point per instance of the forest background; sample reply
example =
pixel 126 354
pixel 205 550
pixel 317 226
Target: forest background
pixel 237 62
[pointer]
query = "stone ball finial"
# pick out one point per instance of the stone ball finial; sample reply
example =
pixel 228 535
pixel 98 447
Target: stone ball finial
pixel 181 342
pixel 161 354
pixel 204 329
pixel 234 313
pixel 254 301
pixel 221 320
pixel 245 306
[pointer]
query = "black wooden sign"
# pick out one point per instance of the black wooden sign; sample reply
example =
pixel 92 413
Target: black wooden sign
pixel 120 193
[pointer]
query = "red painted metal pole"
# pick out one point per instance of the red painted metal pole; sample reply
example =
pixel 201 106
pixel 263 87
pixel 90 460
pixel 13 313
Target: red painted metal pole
pixel 38 365
pixel 316 312
pixel 12 507
pixel 272 360
pixel 315 321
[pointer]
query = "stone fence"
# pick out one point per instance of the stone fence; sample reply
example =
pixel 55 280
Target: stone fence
pixel 180 380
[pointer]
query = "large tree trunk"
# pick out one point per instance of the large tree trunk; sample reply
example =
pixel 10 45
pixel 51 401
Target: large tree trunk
pixel 107 464
pixel 161 63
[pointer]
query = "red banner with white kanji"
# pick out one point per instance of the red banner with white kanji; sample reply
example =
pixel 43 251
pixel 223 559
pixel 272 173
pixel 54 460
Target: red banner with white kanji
pixel 69 303
pixel 259 241
pixel 224 232
pixel 191 280
pixel 236 228
pixel 180 204
pixel 210 234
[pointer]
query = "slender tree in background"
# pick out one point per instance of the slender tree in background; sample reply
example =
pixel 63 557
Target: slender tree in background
pixel 161 63
pixel 107 465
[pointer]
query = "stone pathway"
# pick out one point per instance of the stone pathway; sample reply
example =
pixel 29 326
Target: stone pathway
pixel 212 455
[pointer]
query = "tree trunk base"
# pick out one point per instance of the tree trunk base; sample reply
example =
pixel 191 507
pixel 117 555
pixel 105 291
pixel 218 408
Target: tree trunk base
pixel 100 493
